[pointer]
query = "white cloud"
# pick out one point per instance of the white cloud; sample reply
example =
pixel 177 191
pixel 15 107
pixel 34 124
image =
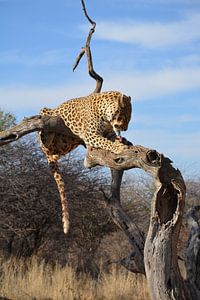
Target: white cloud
pixel 152 34
pixel 19 100
pixel 54 56
pixel 149 85
pixel 141 86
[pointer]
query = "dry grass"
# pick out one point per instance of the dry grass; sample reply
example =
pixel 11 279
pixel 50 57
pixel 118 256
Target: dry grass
pixel 37 281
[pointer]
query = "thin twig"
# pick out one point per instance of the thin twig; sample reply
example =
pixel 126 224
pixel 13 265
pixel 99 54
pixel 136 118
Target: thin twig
pixel 78 58
pixel 86 14
pixel 86 50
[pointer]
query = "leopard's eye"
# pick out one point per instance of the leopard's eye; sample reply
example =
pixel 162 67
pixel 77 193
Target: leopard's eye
pixel 120 119
pixel 116 126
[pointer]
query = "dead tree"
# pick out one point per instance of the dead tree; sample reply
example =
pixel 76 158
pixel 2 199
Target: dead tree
pixel 157 256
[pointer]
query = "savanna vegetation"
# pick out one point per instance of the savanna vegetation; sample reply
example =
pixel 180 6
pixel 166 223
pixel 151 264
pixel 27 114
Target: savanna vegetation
pixel 37 260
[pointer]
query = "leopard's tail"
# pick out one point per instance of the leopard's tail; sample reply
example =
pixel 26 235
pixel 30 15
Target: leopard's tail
pixel 61 189
pixel 46 139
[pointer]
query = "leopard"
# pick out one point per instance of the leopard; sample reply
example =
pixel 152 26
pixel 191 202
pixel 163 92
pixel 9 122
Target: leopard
pixel 91 120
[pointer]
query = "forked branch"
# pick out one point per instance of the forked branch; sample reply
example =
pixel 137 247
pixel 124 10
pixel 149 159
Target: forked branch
pixel 86 50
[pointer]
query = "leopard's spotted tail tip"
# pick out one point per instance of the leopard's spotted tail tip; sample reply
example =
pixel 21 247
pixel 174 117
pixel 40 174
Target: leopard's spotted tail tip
pixel 66 227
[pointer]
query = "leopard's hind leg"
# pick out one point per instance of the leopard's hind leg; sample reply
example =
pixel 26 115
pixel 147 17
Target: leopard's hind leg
pixel 54 147
pixel 49 144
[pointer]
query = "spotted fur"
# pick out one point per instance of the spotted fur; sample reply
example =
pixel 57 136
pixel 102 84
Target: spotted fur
pixel 91 119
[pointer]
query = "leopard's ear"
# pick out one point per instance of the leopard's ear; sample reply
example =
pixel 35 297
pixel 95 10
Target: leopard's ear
pixel 124 100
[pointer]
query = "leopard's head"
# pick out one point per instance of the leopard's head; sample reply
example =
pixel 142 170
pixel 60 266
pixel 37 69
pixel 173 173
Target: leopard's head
pixel 121 115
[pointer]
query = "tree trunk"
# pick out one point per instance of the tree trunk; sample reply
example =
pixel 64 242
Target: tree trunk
pixel 160 252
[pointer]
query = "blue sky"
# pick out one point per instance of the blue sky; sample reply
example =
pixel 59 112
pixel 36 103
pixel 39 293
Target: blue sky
pixel 148 49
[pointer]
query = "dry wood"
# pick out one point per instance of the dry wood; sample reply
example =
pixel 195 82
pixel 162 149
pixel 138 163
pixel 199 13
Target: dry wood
pixel 160 253
pixel 86 50
pixel 36 123
pixel 161 262
pixel 135 262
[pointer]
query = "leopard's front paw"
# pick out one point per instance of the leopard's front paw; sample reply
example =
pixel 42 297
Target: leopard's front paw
pixel 123 140
pixel 88 161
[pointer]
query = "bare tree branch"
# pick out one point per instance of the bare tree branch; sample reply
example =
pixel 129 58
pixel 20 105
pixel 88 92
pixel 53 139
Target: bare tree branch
pixel 86 50
pixel 130 228
pixel 36 123
pixel 86 14
pixel 133 157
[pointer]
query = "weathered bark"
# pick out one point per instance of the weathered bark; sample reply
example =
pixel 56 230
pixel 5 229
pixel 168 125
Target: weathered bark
pixel 36 123
pixel 132 157
pixel 136 262
pixel 160 253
